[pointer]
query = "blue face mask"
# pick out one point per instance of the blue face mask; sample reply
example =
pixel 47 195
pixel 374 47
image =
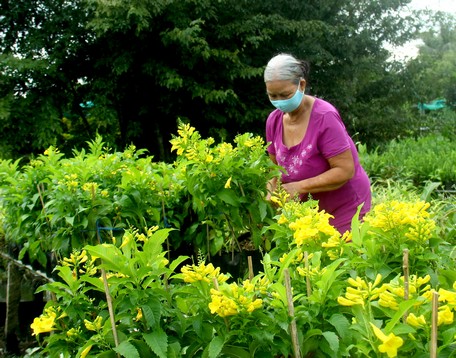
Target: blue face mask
pixel 290 104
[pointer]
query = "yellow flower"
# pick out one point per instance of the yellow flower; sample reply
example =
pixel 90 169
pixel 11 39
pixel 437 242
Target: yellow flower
pixel 387 299
pixel 95 325
pixel 139 314
pixel 346 302
pixel 222 305
pixel 390 343
pixel 445 316
pixel 228 183
pixel 202 272
pixel 72 332
pixel 254 305
pixel 86 351
pixel 416 321
pixel 43 324
pixel 447 296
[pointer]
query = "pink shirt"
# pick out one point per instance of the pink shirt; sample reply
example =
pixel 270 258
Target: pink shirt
pixel 325 137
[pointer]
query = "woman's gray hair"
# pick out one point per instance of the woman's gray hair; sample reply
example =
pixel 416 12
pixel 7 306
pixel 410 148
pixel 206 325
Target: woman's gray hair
pixel 286 67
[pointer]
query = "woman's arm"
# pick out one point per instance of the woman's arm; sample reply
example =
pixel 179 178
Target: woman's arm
pixel 342 169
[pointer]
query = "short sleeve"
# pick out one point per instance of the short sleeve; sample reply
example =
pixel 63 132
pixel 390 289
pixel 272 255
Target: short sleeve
pixel 333 139
pixel 272 130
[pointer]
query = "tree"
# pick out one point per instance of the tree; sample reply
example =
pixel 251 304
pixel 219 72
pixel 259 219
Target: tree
pixel 144 64
pixel 433 71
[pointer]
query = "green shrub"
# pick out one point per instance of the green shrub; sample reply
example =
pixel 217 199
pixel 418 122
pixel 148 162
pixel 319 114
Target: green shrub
pixel 428 158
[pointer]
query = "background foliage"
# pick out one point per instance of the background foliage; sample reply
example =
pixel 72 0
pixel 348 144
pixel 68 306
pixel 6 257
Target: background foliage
pixel 128 70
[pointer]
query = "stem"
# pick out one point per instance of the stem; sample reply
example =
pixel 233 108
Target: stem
pixel 306 263
pixel 234 237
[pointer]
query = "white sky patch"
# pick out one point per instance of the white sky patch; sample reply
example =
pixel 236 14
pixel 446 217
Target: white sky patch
pixel 434 5
pixel 410 49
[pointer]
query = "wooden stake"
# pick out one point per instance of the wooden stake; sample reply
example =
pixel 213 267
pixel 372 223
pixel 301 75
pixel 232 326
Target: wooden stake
pixel 215 282
pixel 435 316
pixel 109 301
pixel 110 308
pixel 405 267
pixel 249 261
pixel 293 328
pixel 306 265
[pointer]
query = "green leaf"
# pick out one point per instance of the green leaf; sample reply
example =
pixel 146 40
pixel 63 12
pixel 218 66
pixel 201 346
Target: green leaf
pixel 332 340
pixel 215 347
pixel 341 324
pixel 127 350
pixel 356 236
pixel 152 312
pixel 403 307
pixel 235 352
pixel 228 196
pixel 173 265
pixel 67 275
pixel 95 282
pixel 158 342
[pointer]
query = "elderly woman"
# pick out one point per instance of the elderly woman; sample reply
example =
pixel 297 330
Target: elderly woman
pixel 309 140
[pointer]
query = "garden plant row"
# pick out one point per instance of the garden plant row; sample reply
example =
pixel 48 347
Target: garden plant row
pixel 131 244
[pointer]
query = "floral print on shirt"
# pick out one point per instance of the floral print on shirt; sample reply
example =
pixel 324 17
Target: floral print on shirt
pixel 292 164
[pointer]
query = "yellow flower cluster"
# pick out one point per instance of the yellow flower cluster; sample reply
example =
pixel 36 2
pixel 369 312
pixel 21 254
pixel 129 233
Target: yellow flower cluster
pixel 250 142
pixel 308 227
pixel 179 143
pixel 232 299
pixel 336 245
pixel 44 323
pixel 202 272
pixel 80 263
pixel 190 145
pixel 70 181
pixel 447 304
pixel 281 198
pixel 394 292
pixel 224 149
pixel 411 216
pixel 95 325
pixel 90 187
pixel 133 235
pixel 359 292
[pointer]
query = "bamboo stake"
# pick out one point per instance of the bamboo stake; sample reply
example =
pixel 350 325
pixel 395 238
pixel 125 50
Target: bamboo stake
pixel 109 301
pixel 435 315
pixel 306 264
pixel 249 261
pixel 406 269
pixel 293 328
pixel 110 308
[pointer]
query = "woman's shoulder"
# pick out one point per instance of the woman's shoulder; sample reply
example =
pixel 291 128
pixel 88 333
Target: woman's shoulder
pixel 274 118
pixel 322 106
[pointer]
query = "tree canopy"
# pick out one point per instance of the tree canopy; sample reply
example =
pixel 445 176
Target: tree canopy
pixel 128 70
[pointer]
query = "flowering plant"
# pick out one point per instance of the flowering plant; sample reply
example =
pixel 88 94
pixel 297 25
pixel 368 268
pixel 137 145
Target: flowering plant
pixel 226 185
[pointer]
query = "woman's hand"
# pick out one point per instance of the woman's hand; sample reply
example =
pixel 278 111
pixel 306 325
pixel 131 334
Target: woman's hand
pixel 293 188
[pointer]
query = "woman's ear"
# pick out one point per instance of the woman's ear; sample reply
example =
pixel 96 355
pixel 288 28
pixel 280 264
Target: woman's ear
pixel 302 85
